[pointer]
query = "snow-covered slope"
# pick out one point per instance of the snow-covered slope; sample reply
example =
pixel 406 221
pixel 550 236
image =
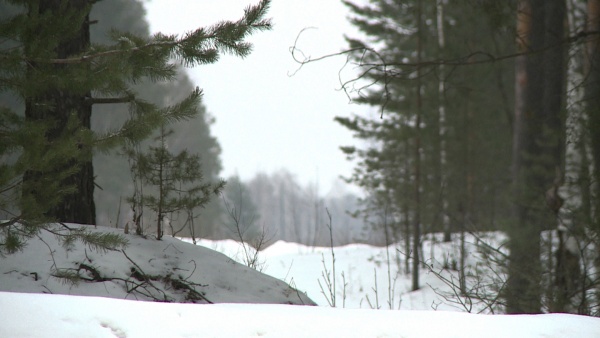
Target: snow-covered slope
pixel 27 312
pixel 371 279
pixel 166 270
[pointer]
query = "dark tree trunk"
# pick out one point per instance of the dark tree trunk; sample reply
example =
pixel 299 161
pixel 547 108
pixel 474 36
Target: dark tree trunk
pixel 592 101
pixel 58 106
pixel 537 147
pixel 440 141
pixel 416 244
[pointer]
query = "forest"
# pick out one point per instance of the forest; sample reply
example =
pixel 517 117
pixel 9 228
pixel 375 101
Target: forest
pixel 488 120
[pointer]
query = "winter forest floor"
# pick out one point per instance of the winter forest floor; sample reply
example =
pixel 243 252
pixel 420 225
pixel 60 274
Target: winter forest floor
pixel 33 303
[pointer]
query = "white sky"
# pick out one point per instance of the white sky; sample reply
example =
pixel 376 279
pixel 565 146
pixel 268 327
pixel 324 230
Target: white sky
pixel 265 119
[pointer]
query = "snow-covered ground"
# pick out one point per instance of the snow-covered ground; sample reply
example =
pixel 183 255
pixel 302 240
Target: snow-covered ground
pixel 147 269
pixel 28 309
pixel 31 315
pixel 370 282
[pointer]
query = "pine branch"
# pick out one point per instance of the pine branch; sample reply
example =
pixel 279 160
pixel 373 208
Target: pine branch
pixel 95 240
pixel 192 48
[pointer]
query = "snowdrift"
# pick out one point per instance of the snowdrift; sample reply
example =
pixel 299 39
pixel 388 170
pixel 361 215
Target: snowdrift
pixel 169 270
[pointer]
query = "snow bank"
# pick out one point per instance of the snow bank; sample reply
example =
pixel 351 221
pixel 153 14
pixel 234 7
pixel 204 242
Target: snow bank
pixel 31 315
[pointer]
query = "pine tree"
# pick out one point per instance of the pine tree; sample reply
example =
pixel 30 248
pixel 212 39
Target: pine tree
pixel 592 98
pixel 538 147
pixel 49 62
pixel 173 182
pixel 440 150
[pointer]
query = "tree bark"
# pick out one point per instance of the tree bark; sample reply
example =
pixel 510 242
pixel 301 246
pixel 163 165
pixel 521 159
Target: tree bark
pixel 440 139
pixel 416 245
pixel 537 145
pixel 57 106
pixel 592 104
pixel 592 101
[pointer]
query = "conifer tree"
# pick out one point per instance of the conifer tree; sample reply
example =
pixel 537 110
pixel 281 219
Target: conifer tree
pixel 439 152
pixel 503 116
pixel 48 61
pixel 173 182
pixel 538 147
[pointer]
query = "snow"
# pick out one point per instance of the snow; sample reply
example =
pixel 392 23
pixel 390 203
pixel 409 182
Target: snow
pixel 362 264
pixel 215 275
pixel 105 309
pixel 35 315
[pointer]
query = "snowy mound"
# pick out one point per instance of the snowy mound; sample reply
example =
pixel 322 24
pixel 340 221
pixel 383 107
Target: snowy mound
pixel 147 269
pixel 217 279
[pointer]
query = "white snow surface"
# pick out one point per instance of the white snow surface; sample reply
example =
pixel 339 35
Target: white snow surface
pixel 105 309
pixel 219 278
pixel 36 315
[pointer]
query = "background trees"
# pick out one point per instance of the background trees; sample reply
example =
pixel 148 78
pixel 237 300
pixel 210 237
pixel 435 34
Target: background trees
pixel 277 206
pixel 112 169
pixel 438 158
pixel 471 133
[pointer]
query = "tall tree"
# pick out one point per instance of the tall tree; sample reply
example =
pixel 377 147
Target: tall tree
pixel 416 241
pixel 475 90
pixel 537 147
pixel 592 99
pixel 591 193
pixel 60 105
pixel 60 75
pixel 439 135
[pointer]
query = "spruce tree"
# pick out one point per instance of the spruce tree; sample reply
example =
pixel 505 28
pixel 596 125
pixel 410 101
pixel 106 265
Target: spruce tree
pixel 48 61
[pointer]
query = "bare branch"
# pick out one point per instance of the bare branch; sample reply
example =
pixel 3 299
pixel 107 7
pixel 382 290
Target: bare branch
pixel 390 70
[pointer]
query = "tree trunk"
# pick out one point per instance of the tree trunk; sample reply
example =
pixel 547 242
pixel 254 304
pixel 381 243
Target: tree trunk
pixel 406 211
pixel 416 245
pixel 537 147
pixel 466 209
pixel 440 141
pixel 58 106
pixel 592 100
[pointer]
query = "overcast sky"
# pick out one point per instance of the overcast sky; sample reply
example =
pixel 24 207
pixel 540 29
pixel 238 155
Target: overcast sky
pixel 266 119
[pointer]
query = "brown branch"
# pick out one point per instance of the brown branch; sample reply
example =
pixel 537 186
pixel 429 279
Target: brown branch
pixel 461 61
pixel 11 186
pixel 90 57
pixel 108 100
pixel 344 85
pixel 12 221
